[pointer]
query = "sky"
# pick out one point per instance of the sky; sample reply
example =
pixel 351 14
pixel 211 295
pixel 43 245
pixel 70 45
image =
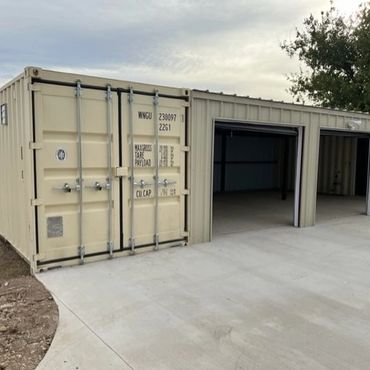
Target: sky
pixel 220 45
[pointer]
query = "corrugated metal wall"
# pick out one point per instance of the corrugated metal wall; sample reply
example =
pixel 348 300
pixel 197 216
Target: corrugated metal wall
pixel 292 148
pixel 251 163
pixel 15 168
pixel 337 165
pixel 208 107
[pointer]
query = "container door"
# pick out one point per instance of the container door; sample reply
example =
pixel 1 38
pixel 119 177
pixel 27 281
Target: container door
pixel 75 151
pixel 154 153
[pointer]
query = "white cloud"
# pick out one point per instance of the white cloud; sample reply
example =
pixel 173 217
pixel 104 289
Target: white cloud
pixel 230 46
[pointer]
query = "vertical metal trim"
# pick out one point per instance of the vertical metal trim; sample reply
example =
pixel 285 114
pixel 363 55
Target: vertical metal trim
pixel 223 162
pixel 368 184
pixel 34 158
pixel 213 130
pixel 352 183
pixel 284 169
pixel 110 176
pixel 298 175
pixel 120 163
pixel 79 187
pixel 132 174
pixel 186 175
pixel 156 176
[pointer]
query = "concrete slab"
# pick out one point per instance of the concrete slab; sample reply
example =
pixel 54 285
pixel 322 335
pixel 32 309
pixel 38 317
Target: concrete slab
pixel 261 210
pixel 281 298
pixel 76 346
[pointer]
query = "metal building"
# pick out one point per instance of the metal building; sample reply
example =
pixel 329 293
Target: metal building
pixel 93 168
pixel 332 133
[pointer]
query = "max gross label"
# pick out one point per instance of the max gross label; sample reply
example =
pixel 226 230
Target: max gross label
pixel 144 155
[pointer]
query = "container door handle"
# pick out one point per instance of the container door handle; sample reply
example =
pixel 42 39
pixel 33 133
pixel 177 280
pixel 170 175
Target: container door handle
pixel 166 182
pixel 66 188
pixel 142 183
pixel 98 186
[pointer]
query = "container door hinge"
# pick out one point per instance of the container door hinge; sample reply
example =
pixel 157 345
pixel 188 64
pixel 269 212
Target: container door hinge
pixel 185 192
pixel 36 202
pixel 185 148
pixel 120 172
pixel 185 233
pixel 35 146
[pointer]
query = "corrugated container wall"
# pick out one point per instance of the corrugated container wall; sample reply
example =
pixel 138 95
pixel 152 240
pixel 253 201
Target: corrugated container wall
pixel 15 166
pixel 208 108
pixel 337 165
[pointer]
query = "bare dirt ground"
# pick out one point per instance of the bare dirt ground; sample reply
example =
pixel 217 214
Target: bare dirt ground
pixel 28 314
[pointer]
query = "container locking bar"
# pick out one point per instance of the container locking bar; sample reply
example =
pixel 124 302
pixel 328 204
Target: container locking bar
pixel 81 248
pixel 66 188
pixel 156 176
pixel 108 186
pixel 166 182
pixel 132 172
pixel 97 186
pixel 142 183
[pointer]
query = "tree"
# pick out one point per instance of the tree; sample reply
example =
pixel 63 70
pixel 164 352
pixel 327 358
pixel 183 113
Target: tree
pixel 336 52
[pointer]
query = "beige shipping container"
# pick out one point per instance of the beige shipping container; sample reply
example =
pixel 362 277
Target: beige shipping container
pixel 91 167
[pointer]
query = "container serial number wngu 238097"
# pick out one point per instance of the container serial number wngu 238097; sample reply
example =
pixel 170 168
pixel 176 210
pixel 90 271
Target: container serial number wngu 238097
pixel 167 117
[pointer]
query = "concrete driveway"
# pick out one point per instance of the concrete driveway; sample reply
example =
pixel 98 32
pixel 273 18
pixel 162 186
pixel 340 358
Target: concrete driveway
pixel 281 298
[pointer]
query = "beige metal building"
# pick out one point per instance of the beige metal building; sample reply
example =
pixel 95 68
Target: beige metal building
pixel 92 168
pixel 332 133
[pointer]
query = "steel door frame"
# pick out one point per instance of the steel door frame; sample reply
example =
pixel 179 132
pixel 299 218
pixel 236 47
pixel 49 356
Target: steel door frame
pixel 297 131
pixel 354 134
pixel 298 178
pixel 368 184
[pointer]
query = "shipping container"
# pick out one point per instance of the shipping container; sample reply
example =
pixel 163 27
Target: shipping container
pixel 93 168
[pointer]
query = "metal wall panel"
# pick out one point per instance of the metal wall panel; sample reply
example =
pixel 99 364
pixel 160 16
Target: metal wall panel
pixel 251 177
pixel 251 162
pixel 337 165
pixel 207 107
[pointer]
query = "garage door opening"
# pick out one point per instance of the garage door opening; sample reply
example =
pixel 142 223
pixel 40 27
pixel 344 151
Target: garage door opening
pixel 342 183
pixel 256 177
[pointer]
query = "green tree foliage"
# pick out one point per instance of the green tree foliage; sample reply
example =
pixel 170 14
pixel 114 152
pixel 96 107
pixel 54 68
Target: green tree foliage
pixel 336 53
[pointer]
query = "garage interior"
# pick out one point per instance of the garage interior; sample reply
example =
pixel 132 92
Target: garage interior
pixel 342 175
pixel 253 177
